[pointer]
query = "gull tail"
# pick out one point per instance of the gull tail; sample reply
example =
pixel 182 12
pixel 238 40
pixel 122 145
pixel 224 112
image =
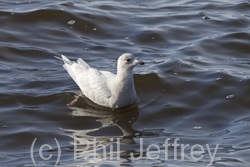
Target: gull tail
pixel 64 59
pixel 68 66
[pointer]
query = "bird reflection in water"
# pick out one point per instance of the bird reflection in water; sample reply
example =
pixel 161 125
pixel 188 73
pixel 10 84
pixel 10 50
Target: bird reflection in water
pixel 93 142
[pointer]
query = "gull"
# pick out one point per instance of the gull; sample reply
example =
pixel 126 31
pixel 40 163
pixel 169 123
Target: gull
pixel 103 87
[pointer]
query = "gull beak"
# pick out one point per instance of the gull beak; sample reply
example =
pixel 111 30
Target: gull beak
pixel 138 62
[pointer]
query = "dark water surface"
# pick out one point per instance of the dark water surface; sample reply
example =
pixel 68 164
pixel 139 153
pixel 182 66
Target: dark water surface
pixel 194 87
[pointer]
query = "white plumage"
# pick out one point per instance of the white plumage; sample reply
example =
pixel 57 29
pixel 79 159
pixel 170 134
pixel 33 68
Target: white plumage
pixel 103 87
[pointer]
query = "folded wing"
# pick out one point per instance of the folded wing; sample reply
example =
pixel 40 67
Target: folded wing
pixel 94 84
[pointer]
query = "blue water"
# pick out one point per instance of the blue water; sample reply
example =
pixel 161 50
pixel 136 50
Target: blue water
pixel 193 89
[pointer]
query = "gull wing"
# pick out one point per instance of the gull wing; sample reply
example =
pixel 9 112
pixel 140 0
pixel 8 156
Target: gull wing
pixel 94 84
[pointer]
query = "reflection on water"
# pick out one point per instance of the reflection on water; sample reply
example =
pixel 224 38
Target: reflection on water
pixel 100 138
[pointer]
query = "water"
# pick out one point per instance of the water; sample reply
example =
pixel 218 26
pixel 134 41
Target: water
pixel 193 89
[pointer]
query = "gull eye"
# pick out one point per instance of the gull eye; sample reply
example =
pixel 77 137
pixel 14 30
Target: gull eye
pixel 128 60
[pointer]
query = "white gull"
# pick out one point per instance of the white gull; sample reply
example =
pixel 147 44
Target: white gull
pixel 103 87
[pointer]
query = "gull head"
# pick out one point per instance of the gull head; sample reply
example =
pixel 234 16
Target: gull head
pixel 127 61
